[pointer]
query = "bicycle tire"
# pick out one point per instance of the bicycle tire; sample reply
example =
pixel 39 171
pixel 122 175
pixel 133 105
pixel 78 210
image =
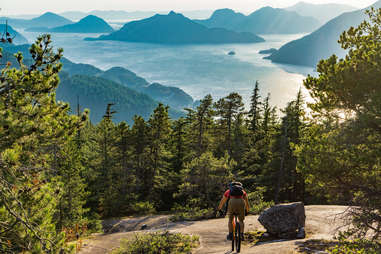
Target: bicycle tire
pixel 233 236
pixel 238 240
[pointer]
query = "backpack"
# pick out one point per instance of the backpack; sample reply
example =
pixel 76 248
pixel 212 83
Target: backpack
pixel 236 190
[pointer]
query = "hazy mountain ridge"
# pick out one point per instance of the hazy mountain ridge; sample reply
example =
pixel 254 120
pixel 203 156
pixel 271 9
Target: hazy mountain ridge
pixel 95 93
pixel 320 44
pixel 174 28
pixel 321 12
pixel 89 24
pixel 266 20
pixel 76 78
pixel 129 15
pixel 48 19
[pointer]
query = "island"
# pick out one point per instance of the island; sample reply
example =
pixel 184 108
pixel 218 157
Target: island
pixel 174 28
pixel 267 51
pixel 89 24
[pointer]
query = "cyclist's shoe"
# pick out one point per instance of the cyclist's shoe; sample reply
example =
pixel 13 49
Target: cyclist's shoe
pixel 242 237
pixel 229 237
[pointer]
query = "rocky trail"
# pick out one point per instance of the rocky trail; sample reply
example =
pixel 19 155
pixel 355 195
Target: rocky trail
pixel 321 223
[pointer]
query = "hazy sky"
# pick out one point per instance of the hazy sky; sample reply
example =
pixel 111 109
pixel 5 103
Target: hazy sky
pixel 10 7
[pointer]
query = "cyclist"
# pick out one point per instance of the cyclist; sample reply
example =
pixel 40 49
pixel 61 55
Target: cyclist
pixel 237 203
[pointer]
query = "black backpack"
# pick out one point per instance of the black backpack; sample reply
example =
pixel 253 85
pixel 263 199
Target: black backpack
pixel 236 190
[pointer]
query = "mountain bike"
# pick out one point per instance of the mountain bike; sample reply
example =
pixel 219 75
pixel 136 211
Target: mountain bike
pixel 236 239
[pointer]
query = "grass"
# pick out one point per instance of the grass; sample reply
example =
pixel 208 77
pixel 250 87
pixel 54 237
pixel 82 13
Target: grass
pixel 339 247
pixel 158 243
pixel 256 237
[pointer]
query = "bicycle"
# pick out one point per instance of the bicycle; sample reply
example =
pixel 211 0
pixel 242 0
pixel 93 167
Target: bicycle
pixel 236 239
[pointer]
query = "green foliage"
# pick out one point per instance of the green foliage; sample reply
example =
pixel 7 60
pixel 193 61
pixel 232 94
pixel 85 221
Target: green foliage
pixel 204 180
pixel 159 242
pixel 31 124
pixel 143 208
pixel 355 247
pixel 191 212
pixel 340 154
pixel 256 200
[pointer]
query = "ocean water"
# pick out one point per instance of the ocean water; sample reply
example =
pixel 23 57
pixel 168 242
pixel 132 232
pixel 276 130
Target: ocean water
pixel 197 69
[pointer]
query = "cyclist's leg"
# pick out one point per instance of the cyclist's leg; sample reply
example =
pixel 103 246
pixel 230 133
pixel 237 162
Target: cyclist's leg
pixel 231 217
pixel 241 214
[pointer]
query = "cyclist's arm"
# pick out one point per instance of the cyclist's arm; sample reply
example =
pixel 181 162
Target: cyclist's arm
pixel 247 203
pixel 222 202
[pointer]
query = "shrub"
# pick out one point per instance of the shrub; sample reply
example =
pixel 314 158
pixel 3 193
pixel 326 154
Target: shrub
pixel 191 213
pixel 158 242
pixel 257 204
pixel 143 208
pixel 360 246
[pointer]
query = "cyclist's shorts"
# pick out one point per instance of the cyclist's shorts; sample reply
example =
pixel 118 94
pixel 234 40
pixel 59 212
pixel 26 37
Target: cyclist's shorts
pixel 236 206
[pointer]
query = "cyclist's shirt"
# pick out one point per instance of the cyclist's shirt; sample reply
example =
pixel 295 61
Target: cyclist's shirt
pixel 227 194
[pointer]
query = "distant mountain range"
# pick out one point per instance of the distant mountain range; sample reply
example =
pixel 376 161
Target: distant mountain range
pixel 174 28
pixel 321 12
pixel 47 19
pixel 17 37
pixel 89 24
pixel 130 15
pixel 95 88
pixel 320 44
pixel 266 20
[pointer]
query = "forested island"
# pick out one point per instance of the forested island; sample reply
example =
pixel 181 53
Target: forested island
pixel 174 28
pixel 61 174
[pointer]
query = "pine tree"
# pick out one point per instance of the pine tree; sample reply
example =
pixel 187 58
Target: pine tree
pixel 159 155
pixel 30 121
pixel 287 177
pixel 201 121
pixel 228 109
pixel 255 111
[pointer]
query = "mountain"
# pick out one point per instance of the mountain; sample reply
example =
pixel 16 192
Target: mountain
pixel 226 18
pixel 95 93
pixel 174 28
pixel 321 12
pixel 47 19
pixel 266 20
pixel 96 88
pixel 320 44
pixel 113 15
pixel 89 24
pixel 17 37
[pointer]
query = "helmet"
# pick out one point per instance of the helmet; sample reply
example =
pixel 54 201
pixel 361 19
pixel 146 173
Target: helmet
pixel 234 183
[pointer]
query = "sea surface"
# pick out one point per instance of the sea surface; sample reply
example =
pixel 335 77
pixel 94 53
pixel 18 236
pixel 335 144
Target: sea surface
pixel 197 69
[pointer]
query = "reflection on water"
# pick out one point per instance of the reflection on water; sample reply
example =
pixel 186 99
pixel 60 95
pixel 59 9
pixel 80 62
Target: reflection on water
pixel 197 69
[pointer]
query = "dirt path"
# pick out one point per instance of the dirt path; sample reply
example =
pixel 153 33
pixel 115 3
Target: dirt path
pixel 321 223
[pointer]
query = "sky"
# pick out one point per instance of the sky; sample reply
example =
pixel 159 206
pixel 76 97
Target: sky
pixel 12 7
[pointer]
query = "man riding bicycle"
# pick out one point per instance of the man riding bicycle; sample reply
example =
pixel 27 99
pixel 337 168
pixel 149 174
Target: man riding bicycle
pixel 237 204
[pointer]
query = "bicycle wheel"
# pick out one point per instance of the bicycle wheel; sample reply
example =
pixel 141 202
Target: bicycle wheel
pixel 233 237
pixel 238 239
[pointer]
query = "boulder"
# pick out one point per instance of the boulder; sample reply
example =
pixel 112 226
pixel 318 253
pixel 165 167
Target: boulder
pixel 284 220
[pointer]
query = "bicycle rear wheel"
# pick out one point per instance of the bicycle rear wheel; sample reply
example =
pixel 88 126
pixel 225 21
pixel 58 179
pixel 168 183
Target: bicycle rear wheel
pixel 233 236
pixel 238 239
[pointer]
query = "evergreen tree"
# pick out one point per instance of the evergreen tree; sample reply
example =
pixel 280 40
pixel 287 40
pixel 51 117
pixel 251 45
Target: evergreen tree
pixel 204 179
pixel 201 122
pixel 288 179
pixel 341 151
pixel 159 155
pixel 30 119
pixel 228 109
pixel 254 112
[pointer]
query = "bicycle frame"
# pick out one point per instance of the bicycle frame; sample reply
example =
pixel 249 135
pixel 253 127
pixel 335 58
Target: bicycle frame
pixel 236 239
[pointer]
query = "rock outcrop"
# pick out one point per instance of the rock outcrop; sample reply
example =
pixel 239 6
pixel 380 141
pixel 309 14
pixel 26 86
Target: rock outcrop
pixel 284 220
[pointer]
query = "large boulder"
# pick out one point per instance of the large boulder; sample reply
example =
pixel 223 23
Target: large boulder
pixel 284 220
